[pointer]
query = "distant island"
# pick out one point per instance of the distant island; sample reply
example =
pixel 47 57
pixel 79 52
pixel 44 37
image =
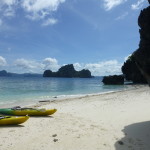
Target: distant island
pixel 68 71
pixel 4 73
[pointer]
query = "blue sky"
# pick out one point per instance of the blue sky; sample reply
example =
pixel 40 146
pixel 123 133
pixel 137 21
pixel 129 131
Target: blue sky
pixel 98 35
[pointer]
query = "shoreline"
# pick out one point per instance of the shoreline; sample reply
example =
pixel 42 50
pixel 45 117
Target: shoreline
pixel 112 121
pixel 75 97
pixel 33 102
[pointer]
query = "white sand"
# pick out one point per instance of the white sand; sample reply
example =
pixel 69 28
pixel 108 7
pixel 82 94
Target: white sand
pixel 95 122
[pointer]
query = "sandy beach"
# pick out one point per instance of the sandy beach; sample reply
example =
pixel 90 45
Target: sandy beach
pixel 111 121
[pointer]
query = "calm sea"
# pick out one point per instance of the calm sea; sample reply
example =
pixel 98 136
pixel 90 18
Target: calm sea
pixel 24 90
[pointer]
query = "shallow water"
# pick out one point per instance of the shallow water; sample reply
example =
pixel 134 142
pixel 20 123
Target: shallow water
pixel 33 89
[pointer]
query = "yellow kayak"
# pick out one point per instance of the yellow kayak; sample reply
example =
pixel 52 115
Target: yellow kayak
pixel 18 111
pixel 12 120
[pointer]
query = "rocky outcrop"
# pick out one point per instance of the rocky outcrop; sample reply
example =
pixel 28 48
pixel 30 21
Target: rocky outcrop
pixel 4 73
pixel 142 55
pixel 137 67
pixel 84 74
pixel 68 71
pixel 48 73
pixel 113 80
pixel 131 71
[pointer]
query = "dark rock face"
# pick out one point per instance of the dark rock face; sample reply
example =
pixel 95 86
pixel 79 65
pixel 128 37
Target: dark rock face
pixel 137 68
pixel 47 73
pixel 84 73
pixel 131 71
pixel 142 55
pixel 68 71
pixel 113 80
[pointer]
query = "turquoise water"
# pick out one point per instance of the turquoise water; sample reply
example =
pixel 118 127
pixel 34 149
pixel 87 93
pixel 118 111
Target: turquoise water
pixel 16 90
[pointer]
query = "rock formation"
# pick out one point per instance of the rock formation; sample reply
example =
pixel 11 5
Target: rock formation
pixel 131 71
pixel 4 73
pixel 68 71
pixel 142 54
pixel 137 68
pixel 113 80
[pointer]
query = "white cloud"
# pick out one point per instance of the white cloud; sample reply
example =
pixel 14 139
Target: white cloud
pixel 28 65
pixel 109 4
pixel 23 65
pixel 9 12
pixel 34 9
pixel 77 66
pixel 2 61
pixel 41 5
pixel 137 5
pixel 8 2
pixel 122 16
pixel 109 67
pixel 50 21
pixel 7 7
pixel 50 63
pixel 40 8
pixel 102 68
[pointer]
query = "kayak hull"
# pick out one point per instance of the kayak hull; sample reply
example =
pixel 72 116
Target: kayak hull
pixel 12 120
pixel 29 112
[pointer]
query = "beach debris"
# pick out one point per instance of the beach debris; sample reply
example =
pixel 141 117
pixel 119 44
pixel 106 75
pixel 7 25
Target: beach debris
pixel 54 135
pixel 55 140
pixel 44 101
pixel 120 142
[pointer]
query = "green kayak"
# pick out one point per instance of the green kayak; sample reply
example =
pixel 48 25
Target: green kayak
pixel 18 111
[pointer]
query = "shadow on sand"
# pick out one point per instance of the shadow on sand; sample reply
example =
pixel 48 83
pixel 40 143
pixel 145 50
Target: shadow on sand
pixel 137 137
pixel 41 117
pixel 11 126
